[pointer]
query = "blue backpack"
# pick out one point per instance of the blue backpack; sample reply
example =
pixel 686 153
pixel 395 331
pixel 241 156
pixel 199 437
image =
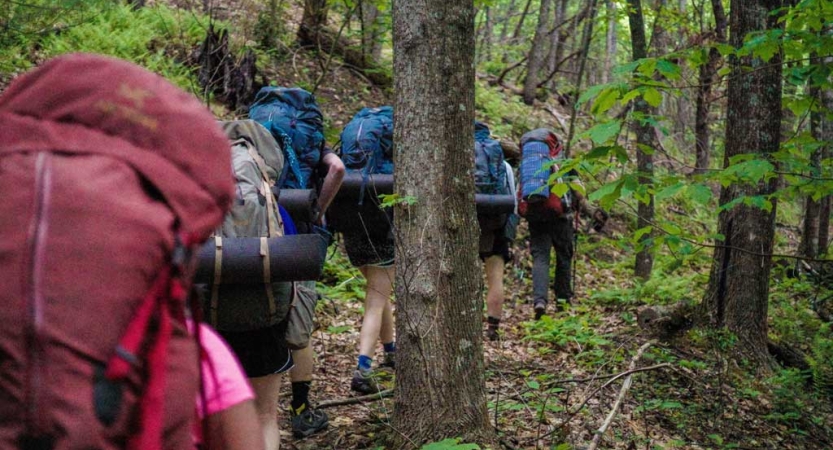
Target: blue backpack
pixel 489 171
pixel 295 120
pixel 367 143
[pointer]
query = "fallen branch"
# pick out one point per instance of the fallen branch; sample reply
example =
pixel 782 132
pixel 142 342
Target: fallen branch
pixel 353 400
pixel 626 385
pixel 598 389
pixel 615 376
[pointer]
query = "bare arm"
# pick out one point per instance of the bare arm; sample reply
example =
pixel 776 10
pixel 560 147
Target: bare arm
pixel 235 428
pixel 332 181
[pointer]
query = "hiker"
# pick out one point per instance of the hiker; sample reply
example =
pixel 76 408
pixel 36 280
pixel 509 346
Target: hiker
pixel 367 149
pixel 494 176
pixel 112 178
pixel 252 318
pixel 294 118
pixel 551 217
pixel 228 419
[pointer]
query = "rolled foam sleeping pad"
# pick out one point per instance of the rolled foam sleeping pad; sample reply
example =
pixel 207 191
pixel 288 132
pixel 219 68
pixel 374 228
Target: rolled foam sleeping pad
pixel 298 257
pixel 383 184
pixel 301 204
pixel 376 184
pixel 494 204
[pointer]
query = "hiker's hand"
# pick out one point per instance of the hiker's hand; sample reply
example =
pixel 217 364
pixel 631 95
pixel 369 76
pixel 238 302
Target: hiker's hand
pixel 599 219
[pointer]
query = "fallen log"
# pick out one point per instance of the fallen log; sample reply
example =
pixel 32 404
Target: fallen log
pixel 324 39
pixel 666 322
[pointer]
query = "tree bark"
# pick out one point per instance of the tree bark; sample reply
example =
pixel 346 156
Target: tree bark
pixel 556 44
pixel 738 293
pixel 809 245
pixel 644 138
pixel 536 52
pixel 440 384
pixel 706 74
pixel 369 16
pixel 824 133
pixel 610 41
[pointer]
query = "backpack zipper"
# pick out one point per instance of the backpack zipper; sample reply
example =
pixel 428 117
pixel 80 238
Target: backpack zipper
pixel 38 229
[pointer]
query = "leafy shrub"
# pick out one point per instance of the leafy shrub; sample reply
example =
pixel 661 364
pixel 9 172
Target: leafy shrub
pixel 158 38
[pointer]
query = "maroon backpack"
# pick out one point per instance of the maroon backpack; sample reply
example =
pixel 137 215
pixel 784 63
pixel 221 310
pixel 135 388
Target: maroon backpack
pixel 109 177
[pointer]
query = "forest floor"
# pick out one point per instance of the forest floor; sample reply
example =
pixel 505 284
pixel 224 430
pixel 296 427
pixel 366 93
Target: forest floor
pixel 548 382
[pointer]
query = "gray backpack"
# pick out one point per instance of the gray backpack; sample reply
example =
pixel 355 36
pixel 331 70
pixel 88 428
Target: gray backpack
pixel 257 162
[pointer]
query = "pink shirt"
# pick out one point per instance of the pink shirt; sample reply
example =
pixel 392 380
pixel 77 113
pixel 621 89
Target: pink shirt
pixel 224 383
pixel 223 379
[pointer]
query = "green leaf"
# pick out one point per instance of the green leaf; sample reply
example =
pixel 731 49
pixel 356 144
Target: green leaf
pixel 669 191
pixel 590 93
pixel 605 101
pixel 559 189
pixel 604 131
pixel 637 235
pixel 700 193
pixel 533 384
pixel 630 95
pixel 668 69
pixel 652 96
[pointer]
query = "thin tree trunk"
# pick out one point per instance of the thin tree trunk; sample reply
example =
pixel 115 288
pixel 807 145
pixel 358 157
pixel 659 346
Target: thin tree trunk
pixel 809 245
pixel 484 53
pixel 369 15
pixel 738 291
pixel 706 76
pixel 825 135
pixel 440 382
pixel 644 138
pixel 610 41
pixel 585 50
pixel 520 26
pixel 553 57
pixel 504 30
pixel 536 53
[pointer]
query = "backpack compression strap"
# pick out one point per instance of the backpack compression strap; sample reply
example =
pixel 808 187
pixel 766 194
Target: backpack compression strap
pixel 166 302
pixel 294 164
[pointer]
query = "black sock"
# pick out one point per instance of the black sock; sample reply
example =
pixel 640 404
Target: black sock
pixel 494 322
pixel 300 394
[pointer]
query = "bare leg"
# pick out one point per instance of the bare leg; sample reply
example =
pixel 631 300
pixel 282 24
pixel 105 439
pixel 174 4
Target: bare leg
pixel 494 280
pixel 267 390
pixel 377 298
pixel 386 332
pixel 303 360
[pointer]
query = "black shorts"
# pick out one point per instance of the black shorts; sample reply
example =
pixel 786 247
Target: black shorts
pixel 372 246
pixel 494 243
pixel 261 352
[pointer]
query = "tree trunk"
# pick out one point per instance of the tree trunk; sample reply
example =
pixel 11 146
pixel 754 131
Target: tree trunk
pixel 610 41
pixel 536 52
pixel 826 135
pixel 369 15
pixel 504 30
pixel 809 246
pixel 556 50
pixel 315 15
pixel 521 20
pixel 738 291
pixel 440 384
pixel 644 138
pixel 484 34
pixel 706 76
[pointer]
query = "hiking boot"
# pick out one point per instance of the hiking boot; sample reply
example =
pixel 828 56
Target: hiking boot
pixel 562 304
pixel 364 382
pixel 308 421
pixel 540 308
pixel 492 334
pixel 389 361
